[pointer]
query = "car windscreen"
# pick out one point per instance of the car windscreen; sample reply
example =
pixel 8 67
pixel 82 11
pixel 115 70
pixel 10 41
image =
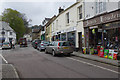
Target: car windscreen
pixel 46 42
pixel 6 43
pixel 23 40
pixel 64 43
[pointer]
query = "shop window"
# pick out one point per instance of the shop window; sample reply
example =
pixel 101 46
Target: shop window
pixel 95 37
pixel 112 38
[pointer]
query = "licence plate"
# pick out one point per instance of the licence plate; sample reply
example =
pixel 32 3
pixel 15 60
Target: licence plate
pixel 6 45
pixel 66 48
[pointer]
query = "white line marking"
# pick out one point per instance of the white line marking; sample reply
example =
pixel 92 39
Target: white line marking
pixel 4 59
pixel 15 71
pixel 93 65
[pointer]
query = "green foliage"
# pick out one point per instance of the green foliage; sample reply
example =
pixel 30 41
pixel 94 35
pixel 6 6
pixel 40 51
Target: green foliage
pixel 16 20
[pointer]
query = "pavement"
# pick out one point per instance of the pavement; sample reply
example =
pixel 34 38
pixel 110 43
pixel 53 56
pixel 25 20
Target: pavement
pixel 97 58
pixel 7 71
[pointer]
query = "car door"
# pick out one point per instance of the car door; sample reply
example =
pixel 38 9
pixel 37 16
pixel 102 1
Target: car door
pixel 51 47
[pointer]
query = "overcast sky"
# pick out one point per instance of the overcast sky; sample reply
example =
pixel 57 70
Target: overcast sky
pixel 36 10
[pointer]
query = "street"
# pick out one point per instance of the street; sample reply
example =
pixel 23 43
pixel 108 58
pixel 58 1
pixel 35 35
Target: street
pixel 30 63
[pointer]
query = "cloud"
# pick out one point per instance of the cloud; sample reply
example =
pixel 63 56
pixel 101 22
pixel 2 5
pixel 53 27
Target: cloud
pixel 36 11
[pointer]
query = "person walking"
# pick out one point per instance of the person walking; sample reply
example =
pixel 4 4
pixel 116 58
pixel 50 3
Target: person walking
pixel 13 43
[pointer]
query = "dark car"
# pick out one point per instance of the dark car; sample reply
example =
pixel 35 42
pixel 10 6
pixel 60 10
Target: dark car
pixel 42 45
pixel 35 43
pixel 23 42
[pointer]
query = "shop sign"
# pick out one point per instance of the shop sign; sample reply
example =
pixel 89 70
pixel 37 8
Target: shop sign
pixel 82 36
pixel 99 30
pixel 93 27
pixel 109 17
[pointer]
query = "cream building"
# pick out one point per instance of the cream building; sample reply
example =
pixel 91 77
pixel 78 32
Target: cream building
pixel 68 25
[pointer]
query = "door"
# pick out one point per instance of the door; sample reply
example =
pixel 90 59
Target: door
pixel 80 40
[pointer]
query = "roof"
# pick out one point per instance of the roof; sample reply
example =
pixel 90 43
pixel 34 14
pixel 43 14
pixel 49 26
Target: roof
pixel 50 21
pixel 36 30
pixel 67 9
pixel 5 25
pixel 45 20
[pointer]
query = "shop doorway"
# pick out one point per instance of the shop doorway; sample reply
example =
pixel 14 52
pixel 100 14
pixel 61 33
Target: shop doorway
pixel 80 40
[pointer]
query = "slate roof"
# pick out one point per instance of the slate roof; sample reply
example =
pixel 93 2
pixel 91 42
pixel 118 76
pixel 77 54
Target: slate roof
pixel 5 25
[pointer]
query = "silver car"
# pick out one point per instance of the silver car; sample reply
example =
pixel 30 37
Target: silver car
pixel 59 47
pixel 42 45
pixel 6 45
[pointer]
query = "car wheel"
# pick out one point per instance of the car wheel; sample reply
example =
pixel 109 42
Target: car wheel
pixel 53 53
pixel 46 51
pixel 39 49
pixel 69 54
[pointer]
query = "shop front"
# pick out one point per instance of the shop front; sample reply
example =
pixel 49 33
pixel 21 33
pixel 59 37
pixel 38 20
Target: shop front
pixel 71 38
pixel 102 34
pixel 43 37
pixel 63 37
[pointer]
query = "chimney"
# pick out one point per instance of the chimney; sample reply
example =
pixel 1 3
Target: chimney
pixel 60 9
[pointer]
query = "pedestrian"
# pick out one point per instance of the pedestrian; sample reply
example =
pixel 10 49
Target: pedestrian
pixel 13 43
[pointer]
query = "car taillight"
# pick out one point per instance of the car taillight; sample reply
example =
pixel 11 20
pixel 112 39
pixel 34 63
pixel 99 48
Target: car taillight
pixel 41 44
pixel 58 45
pixel 9 44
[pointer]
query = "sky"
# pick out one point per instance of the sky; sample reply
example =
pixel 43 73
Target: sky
pixel 36 10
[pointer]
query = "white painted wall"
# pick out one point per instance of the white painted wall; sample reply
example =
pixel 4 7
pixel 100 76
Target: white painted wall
pixel 90 7
pixel 59 24
pixel 7 32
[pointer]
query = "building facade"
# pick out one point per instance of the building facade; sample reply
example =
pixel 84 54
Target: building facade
pixel 35 32
pixel 43 29
pixel 102 26
pixel 28 37
pixel 48 33
pixel 7 34
pixel 68 25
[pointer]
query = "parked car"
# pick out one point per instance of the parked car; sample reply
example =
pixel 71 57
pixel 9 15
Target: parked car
pixel 23 42
pixel 35 43
pixel 42 45
pixel 59 47
pixel 0 45
pixel 6 45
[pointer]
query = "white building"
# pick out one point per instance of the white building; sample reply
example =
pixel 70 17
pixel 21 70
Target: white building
pixel 68 25
pixel 6 32
pixel 28 37
pixel 96 7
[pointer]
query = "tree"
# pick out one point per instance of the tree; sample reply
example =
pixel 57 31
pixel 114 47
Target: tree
pixel 17 21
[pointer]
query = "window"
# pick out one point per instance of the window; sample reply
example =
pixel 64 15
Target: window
pixel 100 6
pixel 67 17
pixel 80 12
pixel 10 33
